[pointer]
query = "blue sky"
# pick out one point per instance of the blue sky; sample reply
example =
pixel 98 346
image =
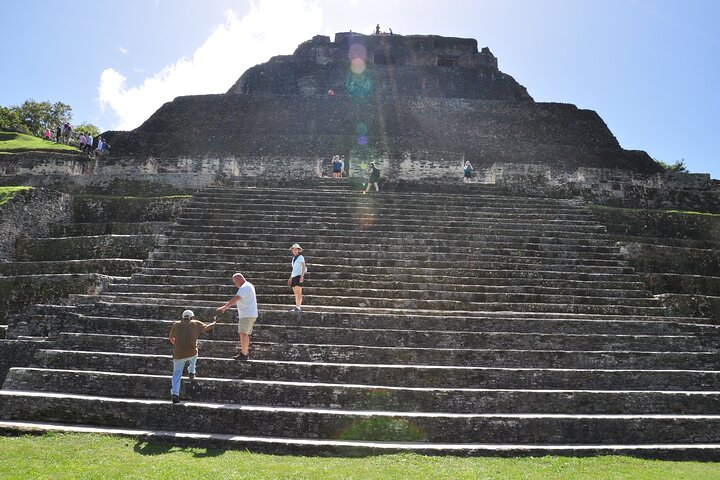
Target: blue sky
pixel 650 68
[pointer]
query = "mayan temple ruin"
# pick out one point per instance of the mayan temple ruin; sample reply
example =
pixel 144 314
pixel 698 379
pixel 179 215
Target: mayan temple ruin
pixel 566 300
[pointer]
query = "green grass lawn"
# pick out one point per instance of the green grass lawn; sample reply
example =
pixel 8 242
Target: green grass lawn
pixel 17 143
pixel 6 193
pixel 83 456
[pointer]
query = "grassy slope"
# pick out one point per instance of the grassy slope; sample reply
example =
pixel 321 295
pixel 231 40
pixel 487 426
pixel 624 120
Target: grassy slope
pixel 17 142
pixel 72 456
pixel 6 193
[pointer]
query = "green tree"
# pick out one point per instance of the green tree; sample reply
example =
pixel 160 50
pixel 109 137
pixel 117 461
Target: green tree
pixel 678 167
pixel 87 128
pixel 10 120
pixel 37 116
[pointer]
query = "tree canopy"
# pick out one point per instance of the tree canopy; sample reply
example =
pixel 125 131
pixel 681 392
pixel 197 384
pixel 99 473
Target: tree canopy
pixel 33 117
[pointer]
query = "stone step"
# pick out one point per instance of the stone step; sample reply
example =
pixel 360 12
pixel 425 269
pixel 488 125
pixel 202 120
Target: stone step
pixel 108 228
pixel 79 248
pixel 426 291
pixel 370 275
pixel 157 307
pixel 349 424
pixel 430 254
pixel 363 397
pixel 353 211
pixel 194 262
pixel 224 344
pixel 399 199
pixel 479 302
pixel 387 238
pixel 416 228
pixel 428 376
pixel 384 305
pixel 295 446
pixel 391 281
pixel 376 220
pixel 683 283
pixel 122 267
pixel 496 340
pixel 397 245
pixel 138 319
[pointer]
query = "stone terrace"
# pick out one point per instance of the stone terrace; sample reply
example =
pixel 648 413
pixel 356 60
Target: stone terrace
pixel 471 323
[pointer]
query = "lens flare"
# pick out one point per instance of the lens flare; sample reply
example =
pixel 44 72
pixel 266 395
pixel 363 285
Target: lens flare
pixel 357 50
pixel 357 65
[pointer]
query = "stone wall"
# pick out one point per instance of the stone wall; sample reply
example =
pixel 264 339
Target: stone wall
pixel 30 213
pixel 676 253
pixel 296 127
pixel 611 186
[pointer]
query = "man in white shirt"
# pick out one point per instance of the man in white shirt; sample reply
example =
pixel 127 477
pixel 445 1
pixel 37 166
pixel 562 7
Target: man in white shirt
pixel 89 142
pixel 247 312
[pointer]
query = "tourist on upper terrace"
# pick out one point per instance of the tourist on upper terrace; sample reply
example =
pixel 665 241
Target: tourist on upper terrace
pixel 337 167
pixel 374 177
pixel 468 171
pixel 297 276
pixel 184 336
pixel 88 143
pixel 48 134
pixel 247 312
pixel 58 134
pixel 83 140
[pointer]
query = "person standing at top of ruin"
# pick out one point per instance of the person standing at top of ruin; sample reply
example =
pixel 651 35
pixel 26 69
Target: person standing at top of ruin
pixel 337 167
pixel 184 336
pixel 467 171
pixel 377 29
pixel 83 139
pixel 88 143
pixel 374 177
pixel 246 302
pixel 297 275
pixel 58 134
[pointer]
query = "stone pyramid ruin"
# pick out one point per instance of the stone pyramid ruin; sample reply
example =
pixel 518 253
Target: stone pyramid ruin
pixel 554 305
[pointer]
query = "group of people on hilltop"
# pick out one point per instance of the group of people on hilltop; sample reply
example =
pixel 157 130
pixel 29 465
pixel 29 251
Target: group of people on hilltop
pixel 64 134
pixel 338 166
pixel 185 333
pixel 86 145
pixel 378 32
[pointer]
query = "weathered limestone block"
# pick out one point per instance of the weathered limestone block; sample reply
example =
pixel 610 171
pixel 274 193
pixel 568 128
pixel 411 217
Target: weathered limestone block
pixel 100 209
pixel 19 292
pixel 29 214
pixel 704 306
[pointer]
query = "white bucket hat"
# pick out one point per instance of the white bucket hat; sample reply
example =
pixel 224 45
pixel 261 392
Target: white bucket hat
pixel 188 314
pixel 295 245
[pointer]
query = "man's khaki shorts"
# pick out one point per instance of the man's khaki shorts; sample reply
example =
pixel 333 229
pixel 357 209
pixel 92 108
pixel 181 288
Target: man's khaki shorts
pixel 245 324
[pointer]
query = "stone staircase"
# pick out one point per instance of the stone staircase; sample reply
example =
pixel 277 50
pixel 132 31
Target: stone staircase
pixel 465 323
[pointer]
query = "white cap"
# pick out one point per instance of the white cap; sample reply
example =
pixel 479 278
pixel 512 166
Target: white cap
pixel 188 314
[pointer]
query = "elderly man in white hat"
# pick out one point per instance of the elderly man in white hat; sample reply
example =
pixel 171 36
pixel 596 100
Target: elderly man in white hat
pixel 297 276
pixel 184 336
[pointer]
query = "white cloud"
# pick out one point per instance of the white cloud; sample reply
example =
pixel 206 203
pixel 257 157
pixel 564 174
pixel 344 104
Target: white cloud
pixel 271 27
pixel 123 50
